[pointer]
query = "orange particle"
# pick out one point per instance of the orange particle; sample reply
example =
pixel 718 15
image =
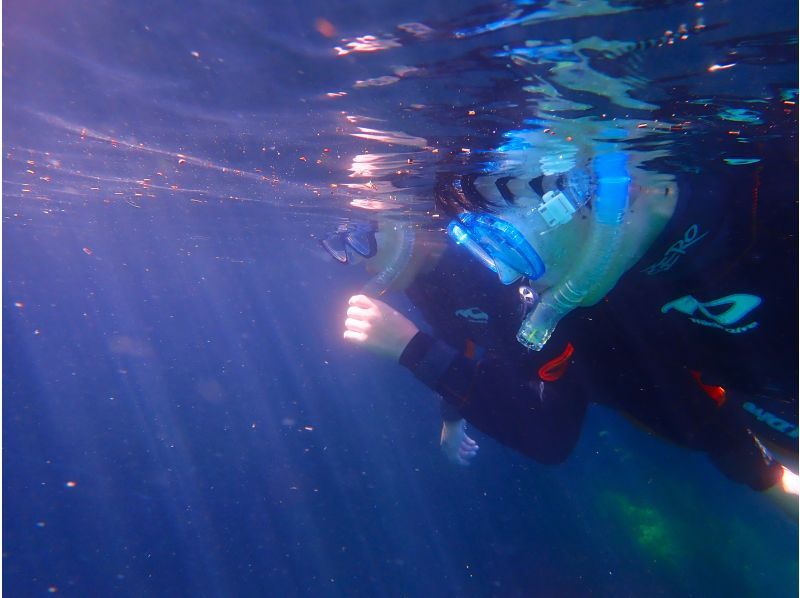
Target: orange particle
pixel 471 113
pixel 19 304
pixel 83 133
pixel 304 159
pixel 181 162
pixel 87 251
pixel 325 27
pixel 569 137
pixel 71 484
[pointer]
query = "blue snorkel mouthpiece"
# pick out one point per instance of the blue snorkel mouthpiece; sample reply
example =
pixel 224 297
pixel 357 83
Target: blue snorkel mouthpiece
pixel 498 245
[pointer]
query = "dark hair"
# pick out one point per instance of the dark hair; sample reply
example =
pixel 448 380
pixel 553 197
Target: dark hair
pixel 455 193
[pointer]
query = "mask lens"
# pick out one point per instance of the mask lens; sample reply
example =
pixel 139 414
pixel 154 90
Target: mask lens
pixel 335 246
pixel 363 243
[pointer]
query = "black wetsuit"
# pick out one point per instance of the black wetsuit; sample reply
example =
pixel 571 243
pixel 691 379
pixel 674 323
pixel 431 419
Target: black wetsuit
pixel 659 348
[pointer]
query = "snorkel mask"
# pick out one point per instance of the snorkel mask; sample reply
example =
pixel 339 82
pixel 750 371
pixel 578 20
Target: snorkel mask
pixel 500 246
pixel 361 238
pixel 354 236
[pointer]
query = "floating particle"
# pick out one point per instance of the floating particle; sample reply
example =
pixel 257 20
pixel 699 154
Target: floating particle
pixel 19 304
pixel 471 113
pixel 741 161
pixel 181 161
pixel 308 428
pixel 325 27
pixel 195 54
pixel 52 590
pixel 87 251
pixel 40 524
pixel 71 484
pixel 720 67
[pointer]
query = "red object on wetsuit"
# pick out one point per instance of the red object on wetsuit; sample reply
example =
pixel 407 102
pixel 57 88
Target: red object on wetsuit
pixel 469 349
pixel 717 393
pixel 555 368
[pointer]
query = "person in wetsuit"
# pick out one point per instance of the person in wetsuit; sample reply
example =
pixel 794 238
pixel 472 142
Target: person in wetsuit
pixel 673 347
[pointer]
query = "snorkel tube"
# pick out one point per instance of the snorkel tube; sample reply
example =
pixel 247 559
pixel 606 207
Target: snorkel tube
pixel 398 259
pixel 608 208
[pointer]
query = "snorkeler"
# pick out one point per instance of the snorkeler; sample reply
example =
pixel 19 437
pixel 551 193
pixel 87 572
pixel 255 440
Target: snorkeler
pixel 520 361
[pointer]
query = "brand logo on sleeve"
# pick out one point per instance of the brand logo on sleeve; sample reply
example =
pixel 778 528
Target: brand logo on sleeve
pixel 676 251
pixel 724 313
pixel 474 315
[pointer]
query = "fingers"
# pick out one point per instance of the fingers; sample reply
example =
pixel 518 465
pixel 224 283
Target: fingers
pixel 357 325
pixel 361 301
pixel 467 450
pixel 352 335
pixel 362 309
pixel 361 312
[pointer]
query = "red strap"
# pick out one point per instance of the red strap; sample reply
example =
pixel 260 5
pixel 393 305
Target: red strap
pixel 717 393
pixel 469 349
pixel 555 368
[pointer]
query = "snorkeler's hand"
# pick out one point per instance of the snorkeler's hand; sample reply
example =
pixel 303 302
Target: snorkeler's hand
pixel 377 326
pixel 456 445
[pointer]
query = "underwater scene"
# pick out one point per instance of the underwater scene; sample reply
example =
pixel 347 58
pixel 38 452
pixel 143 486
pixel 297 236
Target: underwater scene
pixel 451 298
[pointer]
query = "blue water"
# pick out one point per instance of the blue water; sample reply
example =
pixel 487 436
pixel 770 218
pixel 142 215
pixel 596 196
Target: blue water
pixel 180 415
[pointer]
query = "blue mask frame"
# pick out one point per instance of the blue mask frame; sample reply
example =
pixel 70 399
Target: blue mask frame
pixel 498 244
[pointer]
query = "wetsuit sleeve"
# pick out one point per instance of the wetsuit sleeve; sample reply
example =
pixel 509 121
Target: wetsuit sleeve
pixel 540 420
pixel 449 412
pixel 739 454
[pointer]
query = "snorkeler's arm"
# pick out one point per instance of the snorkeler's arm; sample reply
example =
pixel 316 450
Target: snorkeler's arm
pixel 538 419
